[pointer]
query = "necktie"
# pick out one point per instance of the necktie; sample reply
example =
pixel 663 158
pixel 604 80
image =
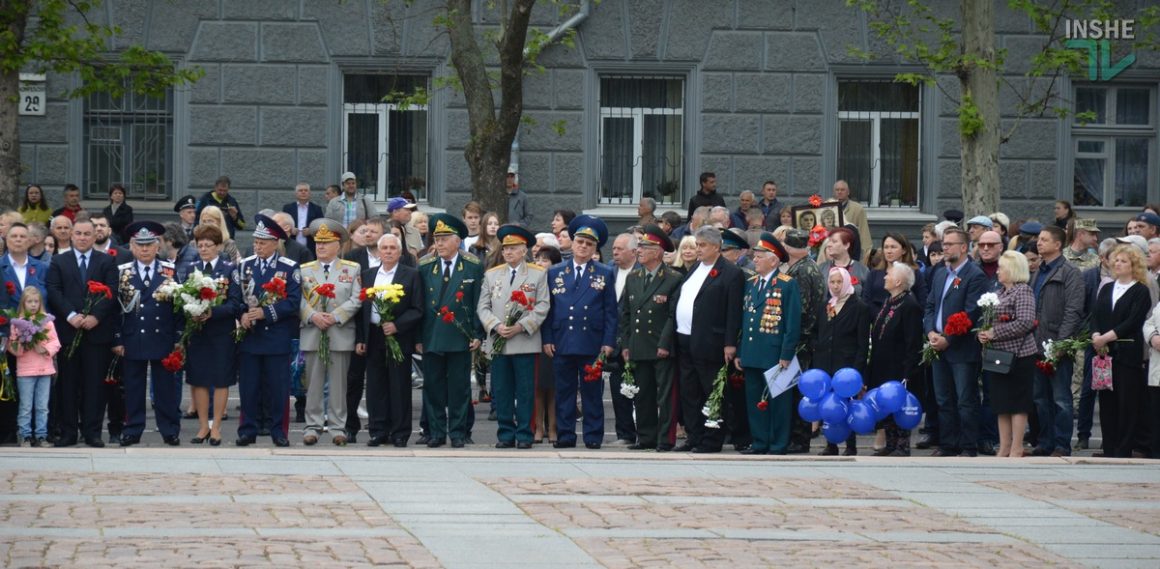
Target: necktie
pixel 647 279
pixel 207 269
pixel 84 267
pixel 146 280
pixel 513 279
pixel 326 271
pixel 579 276
pixel 446 276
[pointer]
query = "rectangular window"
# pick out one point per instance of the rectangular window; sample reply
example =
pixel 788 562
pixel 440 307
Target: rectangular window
pixel 879 153
pixel 1114 137
pixel 128 140
pixel 641 139
pixel 384 135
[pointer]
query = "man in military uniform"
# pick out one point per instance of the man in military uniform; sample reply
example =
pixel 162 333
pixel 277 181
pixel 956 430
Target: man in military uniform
pixel 812 290
pixel 581 325
pixel 1083 239
pixel 333 318
pixel 451 331
pixel 513 370
pixel 645 335
pixel 270 323
pixel 186 209
pixel 769 337
pixel 149 332
pixel 734 246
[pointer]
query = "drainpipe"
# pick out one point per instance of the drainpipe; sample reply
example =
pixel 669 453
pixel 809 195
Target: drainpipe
pixel 570 23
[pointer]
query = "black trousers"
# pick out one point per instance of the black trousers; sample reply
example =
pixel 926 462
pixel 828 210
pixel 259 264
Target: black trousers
pixel 735 412
pixel 82 391
pixel 697 379
pixel 388 388
pixel 355 382
pixel 1122 410
pixel 800 430
pixel 621 405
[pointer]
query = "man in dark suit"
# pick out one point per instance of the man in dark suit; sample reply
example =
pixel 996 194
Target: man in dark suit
pixel 367 259
pixel 957 286
pixel 707 316
pixel 303 212
pixel 77 311
pixel 624 262
pixel 389 381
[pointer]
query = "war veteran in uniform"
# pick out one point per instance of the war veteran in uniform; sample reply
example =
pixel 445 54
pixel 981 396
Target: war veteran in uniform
pixel 270 323
pixel 149 332
pixel 451 331
pixel 645 335
pixel 518 288
pixel 581 325
pixel 769 334
pixel 330 316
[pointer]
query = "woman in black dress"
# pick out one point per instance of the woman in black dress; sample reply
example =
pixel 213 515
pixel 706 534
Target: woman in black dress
pixel 895 345
pixel 1013 331
pixel 1118 318
pixel 211 353
pixel 119 213
pixel 843 338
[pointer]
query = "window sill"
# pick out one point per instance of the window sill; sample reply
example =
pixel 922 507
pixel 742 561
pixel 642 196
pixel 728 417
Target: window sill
pixel 899 215
pixel 617 212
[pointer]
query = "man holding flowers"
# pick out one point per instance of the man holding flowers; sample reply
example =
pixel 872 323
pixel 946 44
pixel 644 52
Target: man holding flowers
pixel 512 306
pixel 148 334
pixel 392 314
pixel 329 317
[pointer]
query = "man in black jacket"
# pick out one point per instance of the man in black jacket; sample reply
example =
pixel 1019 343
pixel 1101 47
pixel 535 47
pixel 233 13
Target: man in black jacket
pixel 707 195
pixel 303 212
pixel 220 197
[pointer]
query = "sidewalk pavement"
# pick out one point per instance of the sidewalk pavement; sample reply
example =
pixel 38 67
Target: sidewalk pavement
pixel 358 507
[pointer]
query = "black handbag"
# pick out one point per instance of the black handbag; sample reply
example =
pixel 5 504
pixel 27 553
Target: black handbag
pixel 997 361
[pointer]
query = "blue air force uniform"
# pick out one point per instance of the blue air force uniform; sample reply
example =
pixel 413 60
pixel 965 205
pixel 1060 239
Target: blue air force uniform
pixel 149 332
pixel 266 347
pixel 581 320
pixel 770 324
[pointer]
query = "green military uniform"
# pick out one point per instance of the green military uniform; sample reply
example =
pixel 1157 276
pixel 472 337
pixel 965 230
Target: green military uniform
pixel 812 289
pixel 1082 261
pixel 770 324
pixel 452 288
pixel 646 324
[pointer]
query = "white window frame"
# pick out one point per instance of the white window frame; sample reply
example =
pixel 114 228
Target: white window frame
pixel 875 118
pixel 1107 133
pixel 637 114
pixel 383 111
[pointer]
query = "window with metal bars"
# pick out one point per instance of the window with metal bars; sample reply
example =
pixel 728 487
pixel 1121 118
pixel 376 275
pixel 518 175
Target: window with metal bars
pixel 641 139
pixel 129 140
pixel 384 140
pixel 879 153
pixel 1113 151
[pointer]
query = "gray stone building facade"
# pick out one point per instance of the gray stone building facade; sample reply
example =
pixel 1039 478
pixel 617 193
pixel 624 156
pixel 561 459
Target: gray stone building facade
pixel 653 93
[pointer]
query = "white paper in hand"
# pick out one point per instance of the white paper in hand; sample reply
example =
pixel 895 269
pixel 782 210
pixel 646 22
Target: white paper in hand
pixel 779 380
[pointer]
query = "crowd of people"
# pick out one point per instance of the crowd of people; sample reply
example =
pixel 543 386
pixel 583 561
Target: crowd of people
pixel 1007 331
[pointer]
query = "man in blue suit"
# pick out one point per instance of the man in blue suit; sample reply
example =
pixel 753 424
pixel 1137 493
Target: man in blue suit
pixel 148 333
pixel 581 325
pixel 271 322
pixel 957 286
pixel 18 270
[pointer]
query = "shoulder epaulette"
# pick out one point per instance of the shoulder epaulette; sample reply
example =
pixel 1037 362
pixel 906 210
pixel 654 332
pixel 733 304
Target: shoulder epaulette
pixel 470 258
pixel 309 264
pixel 497 267
pixel 427 259
pixel 124 266
pixel 168 264
pixel 748 272
pixel 784 277
pixel 349 263
pixel 753 277
pixel 250 258
pixel 288 261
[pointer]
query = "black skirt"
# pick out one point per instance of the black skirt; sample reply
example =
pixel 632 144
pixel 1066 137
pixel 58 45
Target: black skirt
pixel 1011 393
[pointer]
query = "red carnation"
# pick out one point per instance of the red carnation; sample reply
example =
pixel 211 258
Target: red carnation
pixel 1004 318
pixel 854 280
pixel 816 200
pixel 362 295
pixel 957 282
pixel 762 405
pixel 958 324
pixel 112 252
pixel 99 288
pixel 208 293
pixel 174 361
pixel 449 317
pixel 326 290
pixel 713 273
pixel 3 320
pixel 1045 367
pixel 276 286
pixel 10 287
pixel 459 296
pixel 519 297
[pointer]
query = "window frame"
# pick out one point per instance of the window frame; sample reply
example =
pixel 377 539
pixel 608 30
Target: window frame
pixel 1108 133
pixel 383 111
pixel 875 118
pixel 120 117
pixel 637 115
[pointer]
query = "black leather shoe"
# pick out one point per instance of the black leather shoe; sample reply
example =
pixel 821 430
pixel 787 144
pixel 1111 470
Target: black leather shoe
pixel 796 448
pixel 60 443
pixel 741 448
pixel 752 451
pixel 400 443
pixel 172 440
pixel 505 444
pixel 564 444
pixel 970 453
pixel 593 446
pixel 705 450
pixel 377 441
pixel 468 440
pixel 127 441
pixel 986 448
pixel 423 439
pixel 94 442
pixel 1040 451
pixel 456 443
pixel 638 446
pixel 435 443
pixel 683 448
pixel 926 442
pixel 941 452
pixel 280 441
pixel 245 441
pixel 664 448
pixel 523 445
pixel 352 438
pixel 215 442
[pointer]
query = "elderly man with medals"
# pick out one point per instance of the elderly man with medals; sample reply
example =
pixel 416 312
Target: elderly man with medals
pixel 271 289
pixel 149 333
pixel 329 318
pixel 771 318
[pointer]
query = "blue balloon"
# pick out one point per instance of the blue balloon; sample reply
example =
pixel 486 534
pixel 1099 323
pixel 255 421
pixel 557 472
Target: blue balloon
pixel 808 410
pixel 814 383
pixel 835 432
pixel 871 399
pixel 891 396
pixel 833 408
pixel 847 382
pixel 861 418
pixel 909 415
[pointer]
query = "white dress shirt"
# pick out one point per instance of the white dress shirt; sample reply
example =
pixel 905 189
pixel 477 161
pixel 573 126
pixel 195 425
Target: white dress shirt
pixel 688 299
pixel 303 215
pixel 382 277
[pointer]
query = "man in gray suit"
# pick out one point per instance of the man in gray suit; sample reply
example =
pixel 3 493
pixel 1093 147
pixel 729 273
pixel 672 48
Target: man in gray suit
pixel 333 320
pixel 513 366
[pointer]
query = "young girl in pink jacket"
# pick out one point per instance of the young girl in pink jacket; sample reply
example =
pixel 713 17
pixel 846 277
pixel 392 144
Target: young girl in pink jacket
pixel 33 341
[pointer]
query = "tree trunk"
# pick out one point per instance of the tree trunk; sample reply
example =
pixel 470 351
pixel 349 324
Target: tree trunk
pixel 492 130
pixel 980 149
pixel 9 137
